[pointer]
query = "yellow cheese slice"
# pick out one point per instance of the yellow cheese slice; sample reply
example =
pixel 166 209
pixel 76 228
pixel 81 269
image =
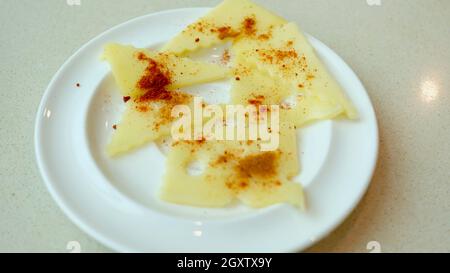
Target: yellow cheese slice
pixel 128 68
pixel 289 56
pixel 253 86
pixel 233 169
pixel 229 20
pixel 148 80
pixel 143 122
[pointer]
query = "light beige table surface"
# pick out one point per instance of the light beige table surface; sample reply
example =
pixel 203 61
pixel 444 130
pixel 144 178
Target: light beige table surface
pixel 400 50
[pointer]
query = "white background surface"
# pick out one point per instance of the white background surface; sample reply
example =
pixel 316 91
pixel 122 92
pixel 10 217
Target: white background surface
pixel 399 50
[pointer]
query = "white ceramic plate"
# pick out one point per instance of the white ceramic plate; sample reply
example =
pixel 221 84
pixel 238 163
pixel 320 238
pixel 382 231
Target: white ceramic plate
pixel 115 200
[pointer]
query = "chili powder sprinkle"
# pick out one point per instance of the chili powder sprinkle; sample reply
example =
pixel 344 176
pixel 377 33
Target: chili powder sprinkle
pixel 154 81
pixel 126 98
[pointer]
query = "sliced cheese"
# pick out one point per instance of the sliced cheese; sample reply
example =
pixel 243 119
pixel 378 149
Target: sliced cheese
pixel 254 86
pixel 289 56
pixel 128 68
pixel 233 169
pixel 229 20
pixel 143 122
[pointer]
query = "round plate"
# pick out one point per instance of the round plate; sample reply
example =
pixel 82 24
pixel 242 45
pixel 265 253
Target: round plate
pixel 114 200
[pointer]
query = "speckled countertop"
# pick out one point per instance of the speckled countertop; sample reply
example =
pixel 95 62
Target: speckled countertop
pixel 400 50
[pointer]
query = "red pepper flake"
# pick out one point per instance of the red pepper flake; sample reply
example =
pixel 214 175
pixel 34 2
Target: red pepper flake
pixel 114 127
pixel 238 79
pixel 154 81
pixel 199 26
pixel 249 26
pixel 226 56
pixel 289 54
pixel 264 37
pixel 142 108
pixel 226 32
pixel 126 98
pixel 243 184
pixel 257 100
pixel 261 165
pixel 201 141
pixel 223 159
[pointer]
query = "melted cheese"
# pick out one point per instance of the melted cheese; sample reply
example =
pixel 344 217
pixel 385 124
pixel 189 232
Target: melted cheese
pixel 289 56
pixel 143 122
pixel 233 169
pixel 253 86
pixel 128 69
pixel 229 20
pixel 148 120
